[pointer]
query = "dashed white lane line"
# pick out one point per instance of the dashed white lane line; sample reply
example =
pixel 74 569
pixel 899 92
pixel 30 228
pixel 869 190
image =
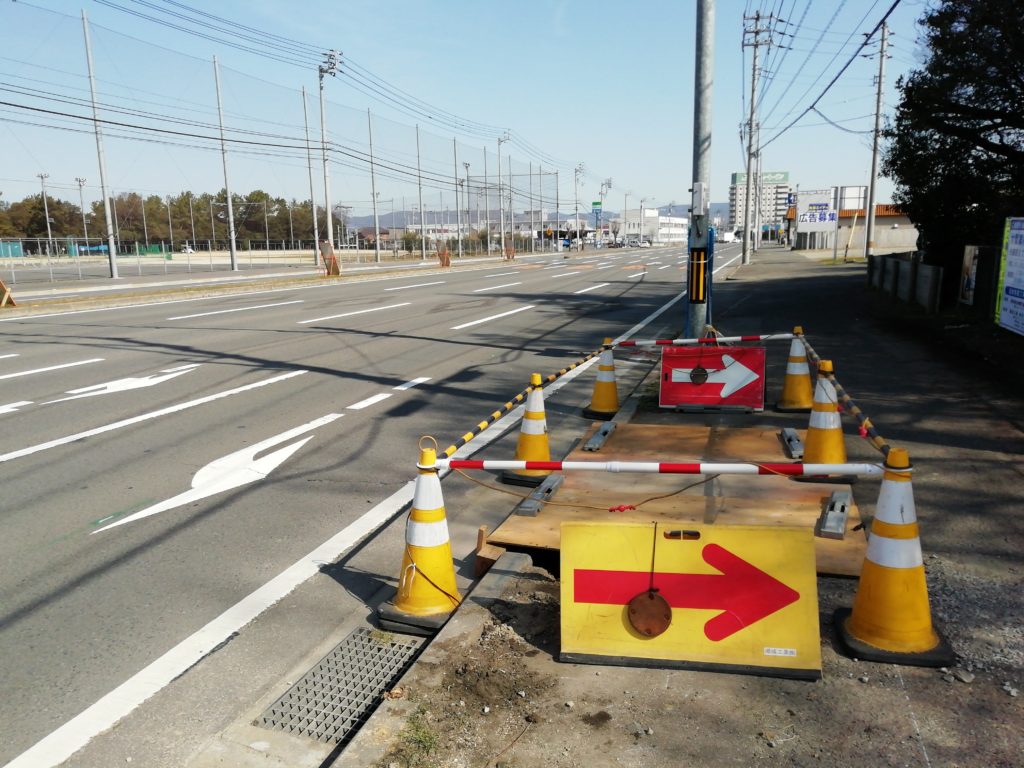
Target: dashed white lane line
pixel 502 274
pixel 417 285
pixel 607 266
pixel 368 401
pixel 357 312
pixel 4 357
pixel 492 317
pixel 496 287
pixel 145 417
pixel 410 384
pixel 634 277
pixel 236 309
pixel 51 368
pixel 563 274
pixel 592 288
pixel 666 266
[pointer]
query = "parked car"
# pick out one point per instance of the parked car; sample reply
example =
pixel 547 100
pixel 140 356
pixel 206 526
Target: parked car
pixel 644 244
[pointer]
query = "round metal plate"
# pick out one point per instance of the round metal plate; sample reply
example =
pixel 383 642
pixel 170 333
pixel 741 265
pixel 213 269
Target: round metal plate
pixel 649 613
pixel 699 375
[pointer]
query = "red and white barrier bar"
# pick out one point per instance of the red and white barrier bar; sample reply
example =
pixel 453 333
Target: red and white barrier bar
pixel 669 468
pixel 705 340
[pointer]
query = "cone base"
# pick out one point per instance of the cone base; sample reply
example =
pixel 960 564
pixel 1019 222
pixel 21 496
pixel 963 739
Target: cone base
pixel 590 413
pixel 779 407
pixel 530 481
pixel 942 655
pixel 396 620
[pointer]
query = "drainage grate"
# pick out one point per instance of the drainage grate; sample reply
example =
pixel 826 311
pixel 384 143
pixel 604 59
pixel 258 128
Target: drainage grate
pixel 340 692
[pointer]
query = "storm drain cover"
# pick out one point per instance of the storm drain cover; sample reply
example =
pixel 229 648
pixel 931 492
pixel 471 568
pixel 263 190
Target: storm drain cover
pixel 337 695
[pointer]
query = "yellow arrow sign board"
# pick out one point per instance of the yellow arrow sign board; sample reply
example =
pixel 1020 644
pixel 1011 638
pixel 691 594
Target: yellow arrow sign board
pixel 731 598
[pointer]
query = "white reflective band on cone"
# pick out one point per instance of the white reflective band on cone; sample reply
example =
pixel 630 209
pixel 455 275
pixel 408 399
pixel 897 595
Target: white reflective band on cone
pixel 535 401
pixel 825 420
pixel 894 553
pixel 797 367
pixel 895 503
pixel 607 358
pixel 825 392
pixel 534 427
pixel 605 375
pixel 427 494
pixel 426 534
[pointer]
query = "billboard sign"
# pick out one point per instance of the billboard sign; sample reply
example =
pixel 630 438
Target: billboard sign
pixel 1010 294
pixel 814 211
pixel 767 177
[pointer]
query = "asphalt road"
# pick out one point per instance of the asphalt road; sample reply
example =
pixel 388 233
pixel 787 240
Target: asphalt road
pixel 161 463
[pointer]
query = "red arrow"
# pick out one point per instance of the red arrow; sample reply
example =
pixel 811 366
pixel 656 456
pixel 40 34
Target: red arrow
pixel 745 594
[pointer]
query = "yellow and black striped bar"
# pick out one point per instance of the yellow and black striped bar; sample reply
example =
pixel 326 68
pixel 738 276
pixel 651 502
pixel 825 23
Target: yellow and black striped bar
pixel 697 279
pixel 847 402
pixel 495 415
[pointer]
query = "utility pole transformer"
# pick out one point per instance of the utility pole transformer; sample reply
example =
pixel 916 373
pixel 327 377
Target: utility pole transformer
pixel 869 232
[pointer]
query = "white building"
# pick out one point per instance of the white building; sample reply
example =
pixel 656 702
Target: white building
pixel 647 224
pixel 775 193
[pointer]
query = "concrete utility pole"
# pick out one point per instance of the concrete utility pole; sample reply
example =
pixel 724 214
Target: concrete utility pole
pixel 111 243
pixel 869 232
pixel 192 219
pixel 501 202
pixel 466 196
pixel 419 186
pixel 227 187
pixel 576 192
pixel 81 201
pixel 312 196
pixel 373 191
pixel 329 67
pixel 46 212
pixel 699 276
pixel 458 211
pixel 756 31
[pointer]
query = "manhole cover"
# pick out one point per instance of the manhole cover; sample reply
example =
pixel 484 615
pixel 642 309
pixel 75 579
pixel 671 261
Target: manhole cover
pixel 341 691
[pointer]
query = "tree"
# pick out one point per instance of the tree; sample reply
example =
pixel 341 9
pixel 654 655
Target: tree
pixel 955 147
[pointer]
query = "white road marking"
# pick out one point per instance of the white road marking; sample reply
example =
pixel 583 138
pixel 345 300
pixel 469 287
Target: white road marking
pixel 58 746
pixel 357 312
pixel 607 266
pixel 232 471
pixel 123 385
pixel 592 288
pixel 495 287
pixel 369 401
pixel 730 261
pixel 13 354
pixel 51 368
pixel 236 309
pixel 411 384
pixel 417 285
pixel 502 274
pixel 145 417
pixel 634 277
pixel 492 317
pixel 666 266
pixel 12 407
pixel 563 274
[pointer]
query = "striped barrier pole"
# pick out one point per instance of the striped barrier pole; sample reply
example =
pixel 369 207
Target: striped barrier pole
pixel 668 468
pixel 705 340
pixel 866 426
pixel 521 397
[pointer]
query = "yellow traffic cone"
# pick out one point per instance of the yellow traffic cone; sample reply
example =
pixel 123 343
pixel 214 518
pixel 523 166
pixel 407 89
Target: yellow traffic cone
pixel 824 443
pixel 427 593
pixel 533 439
pixel 891 620
pixel 796 387
pixel 604 403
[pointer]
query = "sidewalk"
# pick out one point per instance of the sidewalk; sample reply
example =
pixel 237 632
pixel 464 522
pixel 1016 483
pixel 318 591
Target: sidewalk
pixel 488 690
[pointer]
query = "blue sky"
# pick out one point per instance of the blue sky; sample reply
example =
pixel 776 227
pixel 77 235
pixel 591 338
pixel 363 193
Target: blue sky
pixel 606 84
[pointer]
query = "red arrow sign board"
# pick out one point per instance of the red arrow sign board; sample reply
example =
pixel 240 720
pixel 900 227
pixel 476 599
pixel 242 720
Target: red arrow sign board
pixel 742 598
pixel 713 377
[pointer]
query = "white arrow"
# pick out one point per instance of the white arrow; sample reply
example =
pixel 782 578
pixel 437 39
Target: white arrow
pixel 123 385
pixel 12 407
pixel 734 376
pixel 234 470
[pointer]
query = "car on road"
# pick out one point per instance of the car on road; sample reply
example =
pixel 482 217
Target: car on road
pixel 644 244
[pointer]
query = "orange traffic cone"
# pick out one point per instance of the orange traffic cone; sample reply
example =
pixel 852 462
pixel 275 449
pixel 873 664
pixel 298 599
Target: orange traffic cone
pixel 533 439
pixel 604 403
pixel 891 620
pixel 427 593
pixel 824 443
pixel 796 387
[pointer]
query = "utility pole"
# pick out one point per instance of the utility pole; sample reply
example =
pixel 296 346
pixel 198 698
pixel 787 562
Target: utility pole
pixel 46 212
pixel 869 232
pixel 329 67
pixel 558 216
pixel 312 197
pixel 501 202
pixel 111 244
pixel 419 186
pixel 145 224
pixel 170 224
pixel 756 31
pixel 192 219
pixel 81 201
pixel 487 207
pixel 533 229
pixel 511 213
pixel 227 188
pixel 576 192
pixel 373 191
pixel 466 195
pixel 699 272
pixel 458 211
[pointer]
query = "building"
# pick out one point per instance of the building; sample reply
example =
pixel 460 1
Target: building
pixel 774 190
pixel 894 231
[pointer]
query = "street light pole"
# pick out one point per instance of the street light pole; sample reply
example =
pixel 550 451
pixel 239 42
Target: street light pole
pixel 81 200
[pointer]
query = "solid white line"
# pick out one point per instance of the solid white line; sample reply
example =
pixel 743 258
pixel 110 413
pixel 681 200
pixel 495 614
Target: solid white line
pixel 563 274
pixel 417 285
pixel 51 368
pixel 411 384
pixel 350 314
pixel 492 317
pixel 59 745
pixel 496 287
pixel 502 274
pixel 143 417
pixel 592 288
pixel 730 261
pixel 237 309
pixel 369 401
pixel 4 357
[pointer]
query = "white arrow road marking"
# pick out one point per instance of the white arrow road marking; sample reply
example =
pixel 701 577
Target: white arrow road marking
pixel 357 312
pixel 123 385
pixel 12 407
pixel 145 417
pixel 51 368
pixel 735 375
pixel 233 471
